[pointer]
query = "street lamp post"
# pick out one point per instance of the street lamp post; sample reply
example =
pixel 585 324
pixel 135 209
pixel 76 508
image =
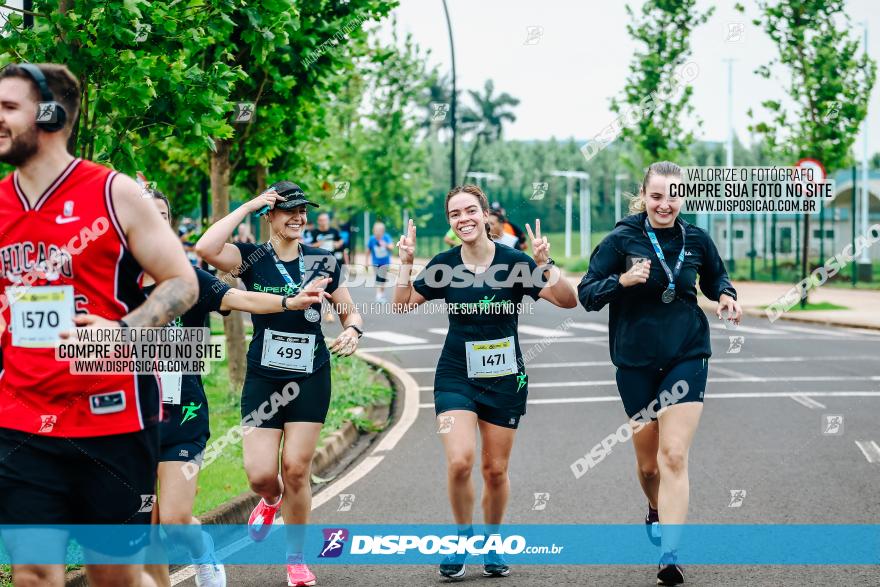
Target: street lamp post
pixel 617 179
pixel 585 225
pixel 483 175
pixel 453 173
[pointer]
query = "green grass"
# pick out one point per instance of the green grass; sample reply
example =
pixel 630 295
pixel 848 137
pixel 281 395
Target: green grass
pixel 788 272
pixel 355 383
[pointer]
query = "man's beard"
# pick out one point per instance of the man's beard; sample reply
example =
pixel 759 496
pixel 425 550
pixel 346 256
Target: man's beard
pixel 23 147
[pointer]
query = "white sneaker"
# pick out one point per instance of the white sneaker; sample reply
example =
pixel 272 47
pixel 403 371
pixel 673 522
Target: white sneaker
pixel 210 575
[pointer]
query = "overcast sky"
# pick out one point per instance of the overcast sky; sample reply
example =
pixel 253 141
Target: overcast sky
pixel 582 58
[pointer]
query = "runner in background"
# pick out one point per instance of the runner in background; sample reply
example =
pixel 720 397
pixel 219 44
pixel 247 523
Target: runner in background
pixel 243 234
pixel 511 228
pixel 497 233
pixel 451 239
pixel 659 342
pixel 75 449
pixel 307 238
pixel 380 245
pixel 287 359
pixel 345 235
pixel 328 238
pixel 480 382
pixel 185 430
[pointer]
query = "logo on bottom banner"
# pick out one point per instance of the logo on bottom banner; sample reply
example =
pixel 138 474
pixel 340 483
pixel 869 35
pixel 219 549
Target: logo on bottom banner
pixel 334 541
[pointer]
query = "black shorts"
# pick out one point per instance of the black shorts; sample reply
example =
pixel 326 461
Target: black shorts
pixel 184 432
pixel 497 400
pixel 63 481
pixel 307 401
pixel 642 389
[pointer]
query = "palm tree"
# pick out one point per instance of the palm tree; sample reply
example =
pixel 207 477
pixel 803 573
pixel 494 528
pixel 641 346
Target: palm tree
pixel 439 91
pixel 487 117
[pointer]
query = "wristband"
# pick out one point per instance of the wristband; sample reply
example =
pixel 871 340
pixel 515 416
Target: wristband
pixel 356 329
pixel 284 303
pixel 122 323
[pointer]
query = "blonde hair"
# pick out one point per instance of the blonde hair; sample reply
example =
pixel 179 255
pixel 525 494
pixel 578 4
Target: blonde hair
pixel 661 168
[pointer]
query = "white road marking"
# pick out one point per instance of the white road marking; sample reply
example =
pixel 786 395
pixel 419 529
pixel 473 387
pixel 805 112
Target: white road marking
pixel 870 449
pixel 427 347
pixel 743 395
pixel 545 332
pixel 594 326
pixel 393 337
pixel 739 379
pixel 440 331
pixel 828 332
pixel 808 402
pixel 746 329
pixel 728 372
pixel 713 363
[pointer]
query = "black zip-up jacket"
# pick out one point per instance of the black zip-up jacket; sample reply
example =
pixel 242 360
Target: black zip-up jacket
pixel 643 331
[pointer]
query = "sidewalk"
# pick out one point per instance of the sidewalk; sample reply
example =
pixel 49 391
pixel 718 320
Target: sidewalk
pixel 863 305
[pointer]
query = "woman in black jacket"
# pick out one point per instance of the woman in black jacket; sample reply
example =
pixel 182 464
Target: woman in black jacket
pixel 646 270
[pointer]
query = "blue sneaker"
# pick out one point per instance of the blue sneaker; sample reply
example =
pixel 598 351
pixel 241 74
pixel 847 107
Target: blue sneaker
pixel 453 566
pixel 494 566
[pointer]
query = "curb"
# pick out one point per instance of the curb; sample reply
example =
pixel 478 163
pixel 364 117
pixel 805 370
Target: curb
pixel 326 456
pixel 756 313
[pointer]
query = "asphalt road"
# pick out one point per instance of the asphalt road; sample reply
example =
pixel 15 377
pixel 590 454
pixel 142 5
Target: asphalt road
pixel 761 431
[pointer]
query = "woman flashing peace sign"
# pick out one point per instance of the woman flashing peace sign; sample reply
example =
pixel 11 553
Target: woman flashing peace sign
pixel 480 381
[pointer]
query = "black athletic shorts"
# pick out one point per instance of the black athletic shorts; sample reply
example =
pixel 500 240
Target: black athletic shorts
pixel 306 401
pixel 445 401
pixel 184 432
pixel 62 481
pixel 497 400
pixel 641 389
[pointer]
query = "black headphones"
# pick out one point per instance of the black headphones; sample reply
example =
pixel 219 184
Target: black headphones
pixel 46 97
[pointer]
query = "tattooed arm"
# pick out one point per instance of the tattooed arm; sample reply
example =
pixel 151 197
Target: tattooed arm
pixel 157 249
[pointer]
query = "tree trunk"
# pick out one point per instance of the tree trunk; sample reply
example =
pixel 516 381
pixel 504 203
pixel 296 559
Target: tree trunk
pixel 233 325
pixel 262 221
pixel 470 162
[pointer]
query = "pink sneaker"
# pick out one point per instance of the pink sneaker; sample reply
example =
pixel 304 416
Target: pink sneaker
pixel 299 574
pixel 261 520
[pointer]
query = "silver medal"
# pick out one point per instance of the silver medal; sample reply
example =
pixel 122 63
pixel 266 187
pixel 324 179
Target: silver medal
pixel 668 295
pixel 312 315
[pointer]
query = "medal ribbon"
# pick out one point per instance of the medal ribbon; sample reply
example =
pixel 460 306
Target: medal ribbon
pixel 672 275
pixel 283 270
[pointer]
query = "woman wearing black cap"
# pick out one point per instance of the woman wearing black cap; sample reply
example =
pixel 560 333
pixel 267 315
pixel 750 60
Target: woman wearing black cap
pixel 659 340
pixel 287 359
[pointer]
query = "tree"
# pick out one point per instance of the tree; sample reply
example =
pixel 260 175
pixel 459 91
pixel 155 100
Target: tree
pixel 827 84
pixel 486 119
pixel 133 61
pixel 290 55
pixel 393 174
pixel 657 94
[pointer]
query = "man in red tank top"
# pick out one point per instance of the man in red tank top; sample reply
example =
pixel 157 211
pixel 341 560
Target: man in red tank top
pixel 75 238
